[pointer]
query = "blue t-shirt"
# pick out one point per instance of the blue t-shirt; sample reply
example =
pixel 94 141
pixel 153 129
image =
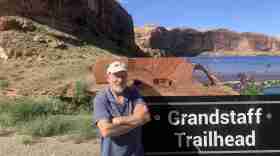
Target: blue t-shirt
pixel 106 107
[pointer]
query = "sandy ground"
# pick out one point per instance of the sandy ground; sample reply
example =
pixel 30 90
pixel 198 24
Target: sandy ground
pixel 11 146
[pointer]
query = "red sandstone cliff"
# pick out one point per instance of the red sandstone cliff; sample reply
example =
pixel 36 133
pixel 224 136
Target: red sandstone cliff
pixel 105 18
pixel 182 42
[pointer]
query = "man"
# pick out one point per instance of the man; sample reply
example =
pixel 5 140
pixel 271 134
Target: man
pixel 119 113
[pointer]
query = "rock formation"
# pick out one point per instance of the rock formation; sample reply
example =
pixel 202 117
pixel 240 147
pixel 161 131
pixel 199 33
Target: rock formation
pixel 166 76
pixel 191 42
pixel 105 18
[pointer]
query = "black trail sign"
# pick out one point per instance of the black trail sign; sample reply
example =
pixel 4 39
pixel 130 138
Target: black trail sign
pixel 236 125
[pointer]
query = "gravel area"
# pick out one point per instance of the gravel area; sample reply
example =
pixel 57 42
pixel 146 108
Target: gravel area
pixel 12 146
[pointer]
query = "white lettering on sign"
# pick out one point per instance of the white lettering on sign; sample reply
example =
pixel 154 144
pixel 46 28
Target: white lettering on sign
pixel 214 138
pixel 252 116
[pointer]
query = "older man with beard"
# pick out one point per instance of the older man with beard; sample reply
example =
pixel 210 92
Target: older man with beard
pixel 119 113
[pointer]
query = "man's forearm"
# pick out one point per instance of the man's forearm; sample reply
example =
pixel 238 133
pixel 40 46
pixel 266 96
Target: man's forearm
pixel 109 129
pixel 117 130
pixel 132 120
pixel 123 124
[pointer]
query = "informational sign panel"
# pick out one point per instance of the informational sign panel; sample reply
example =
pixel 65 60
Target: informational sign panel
pixel 222 126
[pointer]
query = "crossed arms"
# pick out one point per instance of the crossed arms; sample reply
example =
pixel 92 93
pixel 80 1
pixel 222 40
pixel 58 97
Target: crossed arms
pixel 123 124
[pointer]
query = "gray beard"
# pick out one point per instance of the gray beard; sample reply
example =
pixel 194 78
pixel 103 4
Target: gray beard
pixel 118 90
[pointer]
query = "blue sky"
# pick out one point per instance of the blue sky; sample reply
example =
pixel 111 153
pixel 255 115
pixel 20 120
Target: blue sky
pixel 261 16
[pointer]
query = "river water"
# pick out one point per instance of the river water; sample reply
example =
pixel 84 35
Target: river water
pixel 228 67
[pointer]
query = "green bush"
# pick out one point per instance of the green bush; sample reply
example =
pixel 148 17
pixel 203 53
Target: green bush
pixel 80 125
pixel 48 126
pixel 81 99
pixel 53 105
pixel 252 89
pixel 85 129
pixel 26 109
pixel 26 140
pixel 4 84
pixel 45 117
pixel 6 120
pixel 4 104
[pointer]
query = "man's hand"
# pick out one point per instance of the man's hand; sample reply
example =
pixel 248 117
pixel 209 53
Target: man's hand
pixel 109 129
pixel 118 120
pixel 140 111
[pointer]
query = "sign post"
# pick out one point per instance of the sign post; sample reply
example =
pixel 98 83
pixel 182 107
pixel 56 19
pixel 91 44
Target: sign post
pixel 222 126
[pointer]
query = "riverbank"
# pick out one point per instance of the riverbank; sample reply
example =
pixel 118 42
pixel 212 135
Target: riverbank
pixel 251 53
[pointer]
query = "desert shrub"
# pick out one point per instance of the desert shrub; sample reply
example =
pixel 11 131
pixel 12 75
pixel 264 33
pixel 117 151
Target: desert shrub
pixel 25 139
pixel 84 130
pixel 48 126
pixel 44 117
pixel 4 84
pixel 26 109
pixel 79 125
pixel 6 120
pixel 252 89
pixel 81 99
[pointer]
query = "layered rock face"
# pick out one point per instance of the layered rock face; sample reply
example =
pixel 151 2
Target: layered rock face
pixel 105 18
pixel 190 42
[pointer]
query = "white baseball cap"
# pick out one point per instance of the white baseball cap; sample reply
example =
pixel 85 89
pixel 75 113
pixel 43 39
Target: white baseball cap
pixel 116 66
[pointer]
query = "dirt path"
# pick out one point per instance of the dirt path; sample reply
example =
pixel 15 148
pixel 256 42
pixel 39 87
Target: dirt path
pixel 11 146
